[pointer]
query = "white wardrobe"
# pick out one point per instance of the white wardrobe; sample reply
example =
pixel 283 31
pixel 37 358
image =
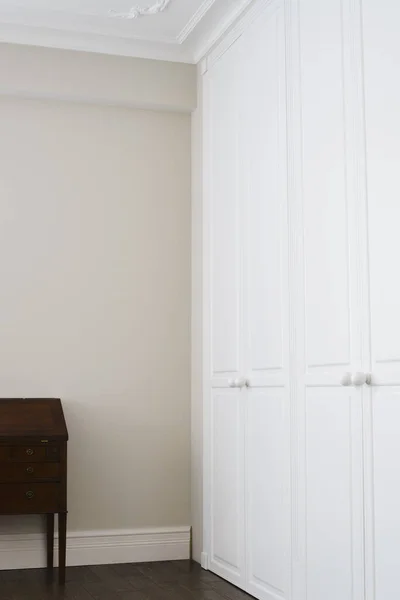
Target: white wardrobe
pixel 301 137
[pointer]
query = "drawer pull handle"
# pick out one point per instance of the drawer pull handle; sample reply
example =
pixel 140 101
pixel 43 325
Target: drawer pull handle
pixel 30 452
pixel 29 470
pixel 29 495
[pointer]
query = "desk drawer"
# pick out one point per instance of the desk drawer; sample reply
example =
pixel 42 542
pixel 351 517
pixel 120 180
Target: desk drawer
pixel 27 498
pixel 26 472
pixel 32 453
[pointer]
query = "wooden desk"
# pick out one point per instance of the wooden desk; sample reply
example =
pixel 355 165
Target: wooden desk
pixel 33 466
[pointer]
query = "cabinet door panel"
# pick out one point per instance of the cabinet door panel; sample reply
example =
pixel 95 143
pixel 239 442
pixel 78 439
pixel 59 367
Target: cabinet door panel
pixel 224 169
pixel 382 98
pixel 227 485
pixel 324 185
pixel 386 477
pixel 333 508
pixel 265 198
pixel 266 498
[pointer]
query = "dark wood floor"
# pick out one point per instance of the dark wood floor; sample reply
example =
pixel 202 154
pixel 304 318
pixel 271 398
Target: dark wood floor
pixel 178 580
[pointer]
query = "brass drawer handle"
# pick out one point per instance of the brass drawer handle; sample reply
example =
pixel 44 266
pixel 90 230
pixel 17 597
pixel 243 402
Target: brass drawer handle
pixel 29 470
pixel 29 495
pixel 30 452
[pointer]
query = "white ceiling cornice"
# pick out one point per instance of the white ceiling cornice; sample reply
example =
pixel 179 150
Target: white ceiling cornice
pixel 90 42
pixel 136 11
pixel 172 30
pixel 194 21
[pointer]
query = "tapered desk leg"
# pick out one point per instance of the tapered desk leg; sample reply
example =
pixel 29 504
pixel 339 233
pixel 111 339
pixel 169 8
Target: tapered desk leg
pixel 62 545
pixel 50 542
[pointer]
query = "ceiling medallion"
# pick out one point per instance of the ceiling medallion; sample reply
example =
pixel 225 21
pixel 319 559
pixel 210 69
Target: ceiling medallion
pixel 137 12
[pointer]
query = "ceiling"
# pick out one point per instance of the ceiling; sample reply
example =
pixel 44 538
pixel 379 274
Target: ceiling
pixel 177 30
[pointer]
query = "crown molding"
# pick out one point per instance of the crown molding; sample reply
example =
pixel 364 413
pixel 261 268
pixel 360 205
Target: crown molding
pixel 194 21
pixel 224 41
pixel 190 46
pixel 93 42
pixel 211 38
pixel 136 12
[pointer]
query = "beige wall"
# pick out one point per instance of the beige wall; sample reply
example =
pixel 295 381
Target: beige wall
pixel 95 299
pixel 85 77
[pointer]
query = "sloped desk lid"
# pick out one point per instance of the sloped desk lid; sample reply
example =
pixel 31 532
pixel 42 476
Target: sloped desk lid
pixel 39 419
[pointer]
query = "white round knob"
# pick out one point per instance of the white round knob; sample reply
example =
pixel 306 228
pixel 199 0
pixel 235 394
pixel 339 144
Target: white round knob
pixel 359 378
pixel 241 382
pixel 346 379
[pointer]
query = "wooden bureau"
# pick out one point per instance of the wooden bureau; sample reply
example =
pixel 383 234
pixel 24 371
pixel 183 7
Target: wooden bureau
pixel 33 465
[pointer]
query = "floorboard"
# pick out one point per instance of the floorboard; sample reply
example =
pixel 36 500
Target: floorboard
pixel 177 580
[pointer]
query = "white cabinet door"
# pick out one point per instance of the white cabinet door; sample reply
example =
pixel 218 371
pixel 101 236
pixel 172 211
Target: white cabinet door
pixel 382 117
pixel 225 419
pixel 328 522
pixel 249 456
pixel 265 316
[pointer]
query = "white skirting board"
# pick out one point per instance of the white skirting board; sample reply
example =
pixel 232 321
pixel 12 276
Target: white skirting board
pixel 204 560
pixel 19 551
